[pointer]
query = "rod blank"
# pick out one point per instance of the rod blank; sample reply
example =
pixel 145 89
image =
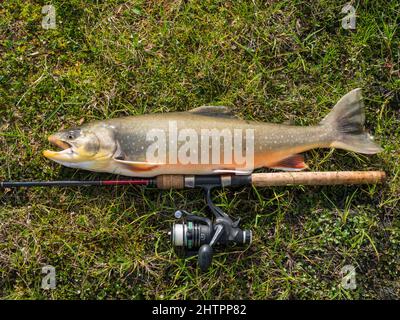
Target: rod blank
pixel 69 183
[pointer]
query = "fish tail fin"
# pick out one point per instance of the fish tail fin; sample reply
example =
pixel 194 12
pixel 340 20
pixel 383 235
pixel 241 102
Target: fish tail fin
pixel 347 121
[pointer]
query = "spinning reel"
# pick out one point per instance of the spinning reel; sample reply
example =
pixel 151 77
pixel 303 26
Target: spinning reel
pixel 193 235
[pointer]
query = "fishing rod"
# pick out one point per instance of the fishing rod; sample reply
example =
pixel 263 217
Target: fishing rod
pixel 196 235
pixel 193 181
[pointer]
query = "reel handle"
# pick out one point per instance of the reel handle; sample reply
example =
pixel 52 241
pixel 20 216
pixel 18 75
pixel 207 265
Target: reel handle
pixel 205 257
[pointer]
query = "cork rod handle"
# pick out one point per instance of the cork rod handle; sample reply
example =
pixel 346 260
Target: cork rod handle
pixel 317 178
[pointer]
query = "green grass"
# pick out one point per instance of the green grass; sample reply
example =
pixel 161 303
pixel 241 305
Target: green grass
pixel 268 60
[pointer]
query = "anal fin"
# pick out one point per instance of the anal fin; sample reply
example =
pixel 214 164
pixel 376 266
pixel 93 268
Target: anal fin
pixel 292 163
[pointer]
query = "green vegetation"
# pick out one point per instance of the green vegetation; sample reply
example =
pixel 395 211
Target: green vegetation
pixel 268 60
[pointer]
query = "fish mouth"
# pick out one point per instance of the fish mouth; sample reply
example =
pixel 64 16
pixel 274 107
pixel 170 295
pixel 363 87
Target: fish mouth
pixel 66 152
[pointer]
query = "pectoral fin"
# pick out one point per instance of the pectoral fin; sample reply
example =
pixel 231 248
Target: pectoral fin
pixel 292 163
pixel 137 165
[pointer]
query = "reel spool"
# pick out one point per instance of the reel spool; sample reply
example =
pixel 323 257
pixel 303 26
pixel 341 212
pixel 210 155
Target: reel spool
pixel 193 235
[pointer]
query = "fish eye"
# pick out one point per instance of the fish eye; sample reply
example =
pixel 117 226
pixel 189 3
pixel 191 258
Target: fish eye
pixel 73 134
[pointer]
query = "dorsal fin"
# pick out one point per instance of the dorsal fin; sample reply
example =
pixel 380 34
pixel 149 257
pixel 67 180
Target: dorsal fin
pixel 214 111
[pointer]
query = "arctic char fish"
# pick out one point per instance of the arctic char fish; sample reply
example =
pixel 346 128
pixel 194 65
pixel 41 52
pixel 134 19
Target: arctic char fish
pixel 197 142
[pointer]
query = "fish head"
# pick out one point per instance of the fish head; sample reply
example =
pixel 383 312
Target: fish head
pixel 83 147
